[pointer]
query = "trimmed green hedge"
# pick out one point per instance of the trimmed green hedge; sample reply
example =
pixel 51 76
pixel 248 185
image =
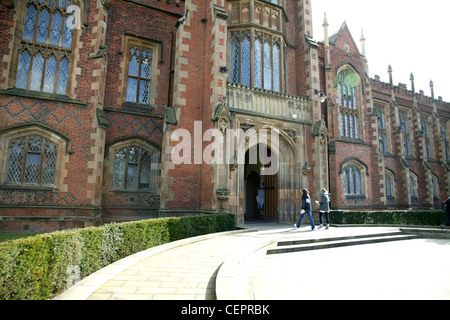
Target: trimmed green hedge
pixel 395 217
pixel 42 266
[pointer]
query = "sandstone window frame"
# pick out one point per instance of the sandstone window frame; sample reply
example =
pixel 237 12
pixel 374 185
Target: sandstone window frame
pixel 350 103
pixel 133 41
pixel 405 126
pixel 445 139
pixel 384 140
pixel 435 187
pixel 17 46
pixel 267 65
pixel 390 184
pixel 63 150
pixel 117 146
pixel 354 178
pixel 413 185
pixel 427 131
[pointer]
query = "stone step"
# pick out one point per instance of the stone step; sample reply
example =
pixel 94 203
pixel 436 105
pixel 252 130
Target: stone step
pixel 305 241
pixel 327 243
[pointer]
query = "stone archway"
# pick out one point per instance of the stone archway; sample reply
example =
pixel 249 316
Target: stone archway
pixel 281 175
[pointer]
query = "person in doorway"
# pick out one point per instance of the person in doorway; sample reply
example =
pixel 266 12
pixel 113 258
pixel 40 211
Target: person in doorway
pixel 306 209
pixel 446 207
pixel 324 208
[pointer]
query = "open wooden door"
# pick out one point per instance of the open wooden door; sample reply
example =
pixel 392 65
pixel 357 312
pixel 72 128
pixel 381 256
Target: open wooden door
pixel 270 197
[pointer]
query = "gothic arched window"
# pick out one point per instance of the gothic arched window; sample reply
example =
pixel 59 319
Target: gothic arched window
pixel 354 177
pixel 403 119
pixel 352 180
pixel 413 188
pixel 46 47
pixel 348 90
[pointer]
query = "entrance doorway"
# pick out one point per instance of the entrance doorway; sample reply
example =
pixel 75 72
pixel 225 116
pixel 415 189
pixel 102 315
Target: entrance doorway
pixel 253 211
pixel 261 191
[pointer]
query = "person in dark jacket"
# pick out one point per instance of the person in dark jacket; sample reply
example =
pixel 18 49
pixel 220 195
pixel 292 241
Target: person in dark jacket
pixel 446 207
pixel 306 209
pixel 324 208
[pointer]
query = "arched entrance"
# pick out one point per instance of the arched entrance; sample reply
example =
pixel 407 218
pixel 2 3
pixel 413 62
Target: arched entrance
pixel 278 175
pixel 261 189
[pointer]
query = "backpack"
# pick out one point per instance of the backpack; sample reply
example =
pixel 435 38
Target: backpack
pixel 446 205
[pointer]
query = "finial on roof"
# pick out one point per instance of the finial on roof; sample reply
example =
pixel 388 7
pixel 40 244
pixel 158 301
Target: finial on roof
pixel 363 43
pixel 325 21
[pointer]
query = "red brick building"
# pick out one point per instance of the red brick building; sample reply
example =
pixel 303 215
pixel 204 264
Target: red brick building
pixel 108 111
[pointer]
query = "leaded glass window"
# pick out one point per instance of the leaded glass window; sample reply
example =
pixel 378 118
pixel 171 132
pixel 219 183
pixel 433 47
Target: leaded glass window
pixel 240 58
pixel 258 63
pixel 426 134
pixel 31 160
pixel 267 60
pixel 403 117
pixel 267 63
pixel 348 83
pixel 352 180
pixel 413 188
pixel 444 136
pixel 388 186
pixel 382 136
pixel 435 186
pixel 45 51
pixel 135 168
pixel 139 74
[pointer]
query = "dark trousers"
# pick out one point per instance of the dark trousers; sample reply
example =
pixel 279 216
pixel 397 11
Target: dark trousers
pixel 327 215
pixel 447 222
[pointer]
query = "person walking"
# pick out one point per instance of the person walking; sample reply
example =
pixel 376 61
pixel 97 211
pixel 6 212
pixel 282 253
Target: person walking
pixel 446 206
pixel 306 209
pixel 324 208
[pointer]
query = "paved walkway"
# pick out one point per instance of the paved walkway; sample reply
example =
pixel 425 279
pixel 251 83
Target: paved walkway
pixel 234 266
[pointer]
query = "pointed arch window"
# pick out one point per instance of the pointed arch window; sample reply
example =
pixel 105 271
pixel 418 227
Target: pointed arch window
pixel 403 119
pixel 445 139
pixel 348 91
pixel 354 177
pixel 390 185
pixel 352 180
pixel 435 186
pixel 382 133
pixel 413 188
pixel 426 134
pixel 46 46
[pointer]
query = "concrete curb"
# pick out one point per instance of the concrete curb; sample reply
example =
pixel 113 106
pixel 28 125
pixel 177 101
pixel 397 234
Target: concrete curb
pixel 233 281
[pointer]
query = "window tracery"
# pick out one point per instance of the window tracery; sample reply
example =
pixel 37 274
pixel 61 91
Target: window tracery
pixel 135 168
pixel 348 83
pixel 46 46
pixel 32 160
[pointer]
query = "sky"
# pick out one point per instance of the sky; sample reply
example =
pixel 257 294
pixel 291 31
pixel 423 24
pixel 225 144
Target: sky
pixel 410 35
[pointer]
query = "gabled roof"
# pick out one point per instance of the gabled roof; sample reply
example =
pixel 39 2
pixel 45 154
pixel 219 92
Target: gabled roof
pixel 333 39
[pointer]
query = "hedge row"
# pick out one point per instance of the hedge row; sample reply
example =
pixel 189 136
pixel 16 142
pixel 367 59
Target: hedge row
pixel 42 266
pixel 396 217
